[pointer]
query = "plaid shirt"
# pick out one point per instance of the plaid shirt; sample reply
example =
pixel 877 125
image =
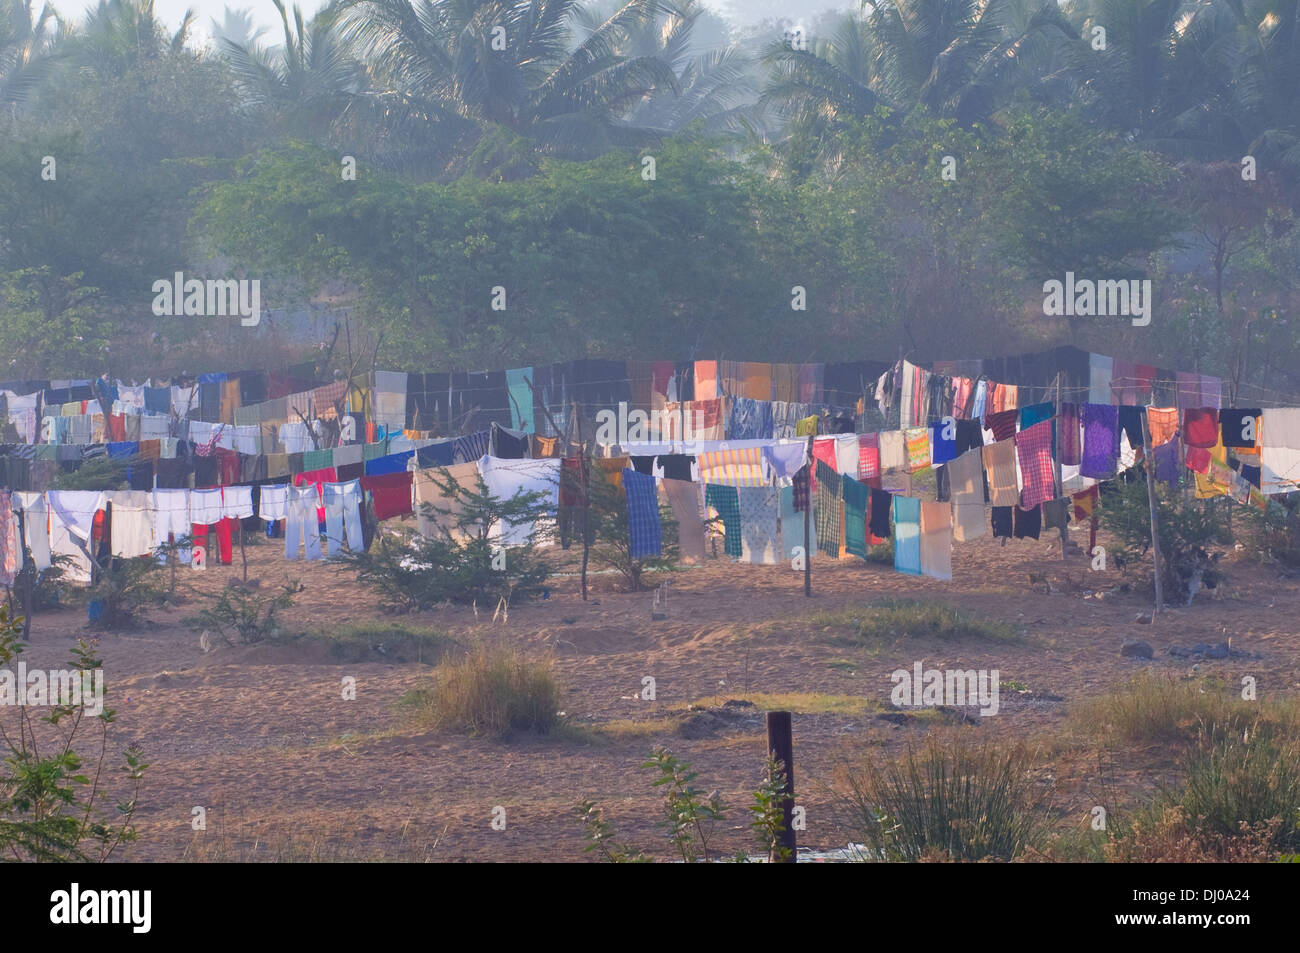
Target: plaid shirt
pixel 644 533
pixel 1034 450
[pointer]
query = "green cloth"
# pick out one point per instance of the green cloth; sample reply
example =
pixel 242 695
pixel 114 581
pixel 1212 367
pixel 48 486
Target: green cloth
pixel 828 509
pixel 317 460
pixel 726 501
pixel 855 516
pixel 373 451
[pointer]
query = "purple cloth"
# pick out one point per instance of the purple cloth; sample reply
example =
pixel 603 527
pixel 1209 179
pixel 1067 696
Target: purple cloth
pixel 1100 440
pixel 1067 436
pixel 1167 462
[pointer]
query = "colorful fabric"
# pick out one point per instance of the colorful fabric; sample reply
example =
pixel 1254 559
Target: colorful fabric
pixel 801 488
pixel 868 456
pixel 918 448
pixel 749 419
pixel 726 501
pixel 645 536
pixel 1100 440
pixel 743 467
pixel 1003 424
pixel 1034 452
pixel 907 535
pixel 943 441
pixel 806 426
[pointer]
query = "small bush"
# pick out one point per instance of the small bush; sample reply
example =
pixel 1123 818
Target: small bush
pixel 1189 531
pixel 497 692
pixel 128 588
pixel 947 801
pixel 252 615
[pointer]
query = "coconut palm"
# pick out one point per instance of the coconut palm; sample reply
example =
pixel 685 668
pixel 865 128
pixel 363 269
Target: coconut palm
pixel 476 66
pixel 119 34
pixel 304 84
pixel 26 50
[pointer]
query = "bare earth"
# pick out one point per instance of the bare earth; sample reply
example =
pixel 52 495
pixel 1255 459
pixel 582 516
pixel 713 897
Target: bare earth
pixel 287 769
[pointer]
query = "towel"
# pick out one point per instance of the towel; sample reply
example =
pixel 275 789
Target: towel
pixel 936 540
pixel 1034 452
pixel 1000 466
pixel 759 508
pixel 726 501
pixel 645 536
pixel 792 527
pixel 893 451
pixel 856 496
pixel 966 491
pixel 684 498
pixel 907 535
pixel 1100 440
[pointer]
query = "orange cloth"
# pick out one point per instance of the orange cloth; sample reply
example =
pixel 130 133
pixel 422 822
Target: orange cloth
pixel 706 380
pixel 613 467
pixel 1163 424
pixel 758 381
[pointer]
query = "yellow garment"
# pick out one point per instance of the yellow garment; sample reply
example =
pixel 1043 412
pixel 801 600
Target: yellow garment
pixel 1217 480
pixel 613 467
pixel 918 449
pixel 71 409
pixel 807 427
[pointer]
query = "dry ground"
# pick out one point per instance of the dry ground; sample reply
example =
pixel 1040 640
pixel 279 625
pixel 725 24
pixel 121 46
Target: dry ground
pixel 261 737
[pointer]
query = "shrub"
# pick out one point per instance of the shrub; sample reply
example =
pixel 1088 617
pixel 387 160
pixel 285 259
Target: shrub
pixel 127 588
pixel 497 692
pixel 360 640
pixel 249 613
pixel 1189 531
pixel 54 806
pixel 947 800
pixel 611 546
pixel 461 563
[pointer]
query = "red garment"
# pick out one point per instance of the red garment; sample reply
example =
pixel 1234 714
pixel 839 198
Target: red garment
pixel 571 481
pixel 325 475
pixel 391 493
pixel 117 427
pixel 230 468
pixel 1198 459
pixel 1002 423
pixel 1034 450
pixel 823 450
pixel 223 534
pixel 868 456
pixel 1200 427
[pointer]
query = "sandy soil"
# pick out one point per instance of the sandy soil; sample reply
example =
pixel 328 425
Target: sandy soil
pixel 263 739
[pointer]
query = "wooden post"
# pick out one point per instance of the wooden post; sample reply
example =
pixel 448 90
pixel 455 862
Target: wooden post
pixel 807 526
pixel 780 748
pixel 1056 466
pixel 1149 464
pixel 586 498
pixel 243 554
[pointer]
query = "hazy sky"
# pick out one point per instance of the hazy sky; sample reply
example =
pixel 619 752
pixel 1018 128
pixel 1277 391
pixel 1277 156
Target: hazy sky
pixel 171 11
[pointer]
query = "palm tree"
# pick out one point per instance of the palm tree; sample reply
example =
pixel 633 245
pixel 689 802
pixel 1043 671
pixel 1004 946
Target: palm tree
pixel 475 66
pixel 237 26
pixel 713 85
pixel 304 84
pixel 26 44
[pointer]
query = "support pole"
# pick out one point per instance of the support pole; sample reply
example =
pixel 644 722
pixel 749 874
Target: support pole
pixel 780 748
pixel 1149 464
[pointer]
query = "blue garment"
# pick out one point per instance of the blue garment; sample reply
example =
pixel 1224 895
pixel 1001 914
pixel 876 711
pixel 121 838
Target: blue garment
pixel 472 447
pixel 342 514
pixel 644 532
pixel 749 419
pixel 440 454
pixel 942 450
pixel 393 463
pixel 158 400
pixel 123 449
pixel 1036 414
pixel 907 535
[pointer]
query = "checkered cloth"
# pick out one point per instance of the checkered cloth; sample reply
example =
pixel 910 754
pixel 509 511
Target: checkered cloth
pixel 868 456
pixel 644 534
pixel 726 501
pixel 828 509
pixel 1034 450
pixel 801 488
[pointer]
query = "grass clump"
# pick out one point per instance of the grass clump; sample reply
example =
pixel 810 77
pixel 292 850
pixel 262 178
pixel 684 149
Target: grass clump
pixel 496 692
pixel 899 619
pixel 398 641
pixel 947 800
pixel 1161 708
